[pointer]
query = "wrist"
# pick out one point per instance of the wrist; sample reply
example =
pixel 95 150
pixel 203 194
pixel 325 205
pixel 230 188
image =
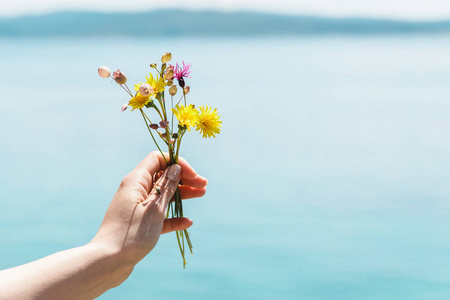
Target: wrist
pixel 114 265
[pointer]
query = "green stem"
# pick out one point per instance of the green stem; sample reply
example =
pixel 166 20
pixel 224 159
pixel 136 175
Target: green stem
pixel 168 132
pixel 168 209
pixel 179 141
pixel 180 100
pixel 172 111
pixel 152 123
pixel 159 112
pixel 182 239
pixel 188 240
pixel 126 91
pixel 181 250
pixel 128 88
pixel 147 117
pixel 149 130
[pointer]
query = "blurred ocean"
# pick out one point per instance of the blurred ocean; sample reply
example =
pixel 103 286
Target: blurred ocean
pixel 330 179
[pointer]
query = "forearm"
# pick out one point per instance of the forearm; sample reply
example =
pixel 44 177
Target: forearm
pixel 80 273
pixel 131 228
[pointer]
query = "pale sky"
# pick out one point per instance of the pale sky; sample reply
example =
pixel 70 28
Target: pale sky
pixel 398 9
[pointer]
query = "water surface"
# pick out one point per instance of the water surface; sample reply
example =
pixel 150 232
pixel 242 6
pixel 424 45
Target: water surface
pixel 329 179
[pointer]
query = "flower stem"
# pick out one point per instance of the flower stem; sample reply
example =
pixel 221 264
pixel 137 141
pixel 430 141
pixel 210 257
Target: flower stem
pixel 128 92
pixel 128 88
pixel 181 250
pixel 149 130
pixel 172 111
pixel 179 141
pixel 159 112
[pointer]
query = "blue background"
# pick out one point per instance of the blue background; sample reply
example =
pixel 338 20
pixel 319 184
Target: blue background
pixel 329 179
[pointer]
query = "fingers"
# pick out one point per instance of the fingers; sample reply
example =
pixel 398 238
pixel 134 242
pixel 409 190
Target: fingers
pixel 152 163
pixel 155 162
pixel 187 172
pixel 165 187
pixel 198 182
pixel 176 224
pixel 187 192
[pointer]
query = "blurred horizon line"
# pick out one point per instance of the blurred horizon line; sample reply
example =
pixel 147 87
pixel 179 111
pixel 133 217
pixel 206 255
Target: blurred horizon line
pixel 206 23
pixel 226 12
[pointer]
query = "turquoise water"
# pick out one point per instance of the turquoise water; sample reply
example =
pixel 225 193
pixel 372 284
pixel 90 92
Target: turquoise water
pixel 330 179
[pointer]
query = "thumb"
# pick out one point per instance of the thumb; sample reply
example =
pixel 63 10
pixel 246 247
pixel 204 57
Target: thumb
pixel 165 187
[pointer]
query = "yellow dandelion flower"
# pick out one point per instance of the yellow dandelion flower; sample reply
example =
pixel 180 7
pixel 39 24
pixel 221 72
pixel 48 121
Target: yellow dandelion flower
pixel 157 83
pixel 139 101
pixel 137 86
pixel 208 122
pixel 186 115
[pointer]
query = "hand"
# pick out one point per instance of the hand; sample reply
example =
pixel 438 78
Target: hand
pixel 131 227
pixel 136 216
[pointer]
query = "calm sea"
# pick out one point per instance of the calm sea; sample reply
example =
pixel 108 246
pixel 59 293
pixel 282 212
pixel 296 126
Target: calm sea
pixel 330 179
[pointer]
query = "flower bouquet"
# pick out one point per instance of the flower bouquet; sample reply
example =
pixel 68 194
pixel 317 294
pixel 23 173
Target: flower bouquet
pixel 151 99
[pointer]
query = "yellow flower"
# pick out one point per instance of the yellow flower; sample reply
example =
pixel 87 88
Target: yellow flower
pixel 157 84
pixel 187 116
pixel 139 101
pixel 208 122
pixel 137 86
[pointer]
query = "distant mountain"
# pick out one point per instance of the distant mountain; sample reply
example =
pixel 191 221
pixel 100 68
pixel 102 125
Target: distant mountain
pixel 203 23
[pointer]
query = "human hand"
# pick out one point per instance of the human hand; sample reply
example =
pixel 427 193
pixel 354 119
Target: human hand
pixel 131 227
pixel 136 216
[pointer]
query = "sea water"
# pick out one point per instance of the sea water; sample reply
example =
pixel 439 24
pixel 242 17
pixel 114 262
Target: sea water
pixel 329 180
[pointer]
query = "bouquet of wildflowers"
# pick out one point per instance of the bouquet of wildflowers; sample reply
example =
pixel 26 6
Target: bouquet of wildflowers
pixel 151 99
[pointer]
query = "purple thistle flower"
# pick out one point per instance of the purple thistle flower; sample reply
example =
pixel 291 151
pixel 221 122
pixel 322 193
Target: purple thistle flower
pixel 180 72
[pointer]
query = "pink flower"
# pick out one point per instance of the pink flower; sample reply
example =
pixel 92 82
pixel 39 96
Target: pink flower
pixel 180 72
pixel 119 77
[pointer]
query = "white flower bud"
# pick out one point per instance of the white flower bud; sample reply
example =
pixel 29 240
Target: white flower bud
pixel 168 75
pixel 120 77
pixel 104 72
pixel 124 107
pixel 166 57
pixel 145 89
pixel 173 90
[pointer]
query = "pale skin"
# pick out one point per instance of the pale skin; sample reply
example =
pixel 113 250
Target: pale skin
pixel 130 230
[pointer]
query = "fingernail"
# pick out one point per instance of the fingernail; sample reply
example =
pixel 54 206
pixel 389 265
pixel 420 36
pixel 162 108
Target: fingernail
pixel 174 173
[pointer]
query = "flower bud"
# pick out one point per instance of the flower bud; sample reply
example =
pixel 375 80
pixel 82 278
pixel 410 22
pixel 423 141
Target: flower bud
pixel 153 65
pixel 145 89
pixel 168 75
pixel 119 77
pixel 173 90
pixel 171 141
pixel 150 104
pixel 186 90
pixel 166 57
pixel 104 72
pixel 181 82
pixel 175 135
pixel 164 124
pixel 154 126
pixel 163 135
pixel 124 107
pixel 169 83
